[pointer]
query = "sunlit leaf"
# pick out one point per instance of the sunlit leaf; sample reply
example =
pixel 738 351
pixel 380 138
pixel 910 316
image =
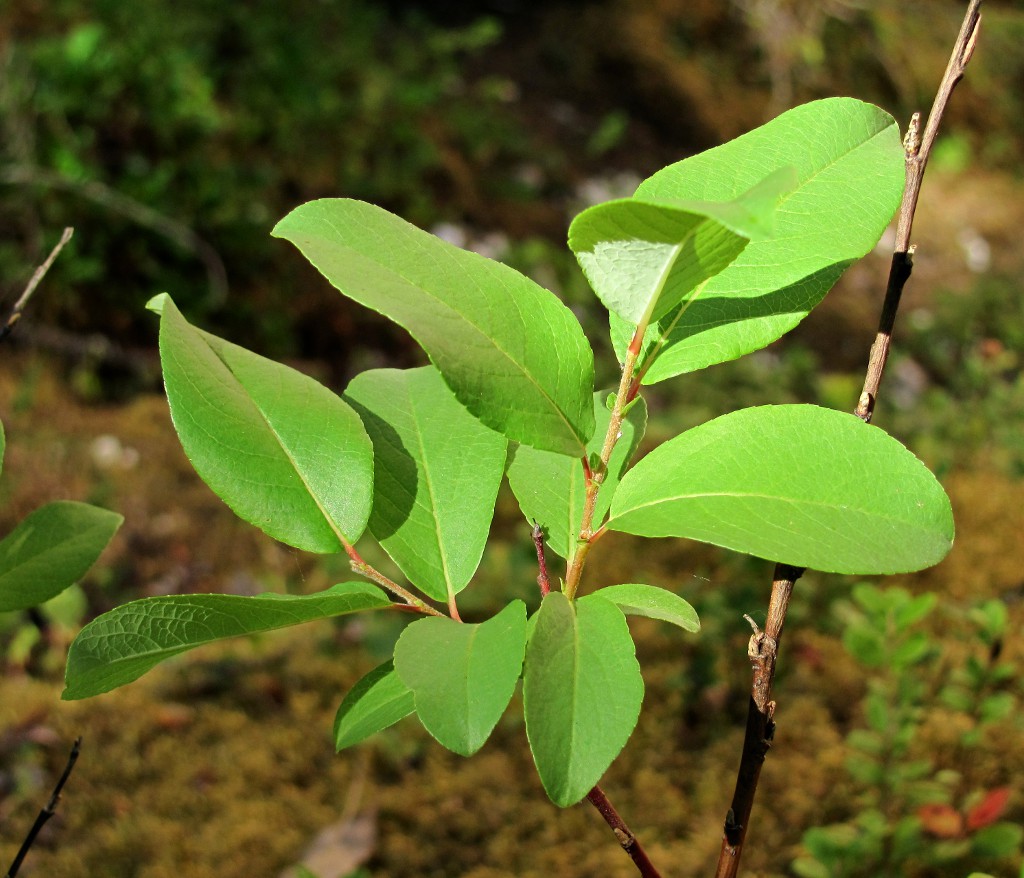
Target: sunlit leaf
pixel 644 256
pixel 281 450
pixel 121 645
pixel 462 675
pixel 437 473
pixel 636 599
pixel 513 354
pixel 51 549
pixel 799 484
pixel 378 700
pixel 849 161
pixel 582 691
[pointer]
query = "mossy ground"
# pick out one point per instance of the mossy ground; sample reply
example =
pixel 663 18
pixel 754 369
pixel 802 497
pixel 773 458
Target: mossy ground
pixel 221 764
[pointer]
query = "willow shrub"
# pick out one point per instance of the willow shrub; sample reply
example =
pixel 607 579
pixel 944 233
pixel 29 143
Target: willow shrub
pixel 713 257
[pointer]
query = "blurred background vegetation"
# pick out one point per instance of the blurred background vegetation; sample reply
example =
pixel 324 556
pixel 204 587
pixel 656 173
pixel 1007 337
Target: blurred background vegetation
pixel 172 137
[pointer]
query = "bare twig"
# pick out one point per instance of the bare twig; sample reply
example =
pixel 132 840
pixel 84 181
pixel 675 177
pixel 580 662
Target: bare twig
pixel 629 842
pixel 34 282
pixel 918 147
pixel 111 199
pixel 47 812
pixel 763 648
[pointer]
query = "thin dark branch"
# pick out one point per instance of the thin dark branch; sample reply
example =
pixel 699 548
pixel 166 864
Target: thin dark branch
pixel 764 645
pixel 629 842
pixel 34 282
pixel 918 148
pixel 762 650
pixel 47 812
pixel 111 199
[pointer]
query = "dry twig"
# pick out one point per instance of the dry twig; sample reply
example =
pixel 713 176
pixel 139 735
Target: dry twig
pixel 34 282
pixel 47 812
pixel 763 649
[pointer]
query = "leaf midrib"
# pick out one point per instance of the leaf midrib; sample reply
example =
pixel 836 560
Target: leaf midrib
pixel 429 482
pixel 759 496
pixel 485 335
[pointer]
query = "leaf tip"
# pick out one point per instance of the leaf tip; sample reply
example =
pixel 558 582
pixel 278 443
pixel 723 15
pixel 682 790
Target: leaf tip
pixel 157 303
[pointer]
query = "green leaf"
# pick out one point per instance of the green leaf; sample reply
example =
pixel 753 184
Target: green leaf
pixel 437 472
pixel 866 645
pixel 582 691
pixel 806 486
pixel 50 549
pixel 636 599
pixel 849 161
pixel 551 488
pixel 914 610
pixel 120 646
pixel 997 840
pixel 462 676
pixel 378 700
pixel 643 257
pixel 997 706
pixel 513 354
pixel 281 450
pixel 805 867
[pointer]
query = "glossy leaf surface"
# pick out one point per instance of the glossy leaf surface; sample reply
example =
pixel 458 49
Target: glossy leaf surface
pixel 380 699
pixel 849 161
pixel 637 599
pixel 462 675
pixel 643 256
pixel 513 354
pixel 551 488
pixel 803 485
pixel 437 473
pixel 50 549
pixel 582 691
pixel 284 452
pixel 121 645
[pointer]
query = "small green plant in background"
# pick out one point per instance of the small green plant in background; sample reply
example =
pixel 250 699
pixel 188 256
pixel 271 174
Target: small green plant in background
pixel 50 550
pixel 713 258
pixel 52 547
pixel 914 813
pixel 41 561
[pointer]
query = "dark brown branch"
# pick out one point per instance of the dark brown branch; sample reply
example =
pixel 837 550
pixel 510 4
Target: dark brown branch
pixel 763 649
pixel 764 645
pixel 629 842
pixel 918 147
pixel 34 282
pixel 111 199
pixel 47 812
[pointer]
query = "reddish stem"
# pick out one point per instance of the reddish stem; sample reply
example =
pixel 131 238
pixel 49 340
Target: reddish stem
pixel 542 562
pixel 629 842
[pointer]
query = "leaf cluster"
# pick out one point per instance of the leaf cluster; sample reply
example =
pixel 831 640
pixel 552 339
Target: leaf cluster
pixel 714 257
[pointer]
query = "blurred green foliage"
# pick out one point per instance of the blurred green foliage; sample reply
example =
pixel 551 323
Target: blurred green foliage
pixel 970 406
pixel 173 136
pixel 907 810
